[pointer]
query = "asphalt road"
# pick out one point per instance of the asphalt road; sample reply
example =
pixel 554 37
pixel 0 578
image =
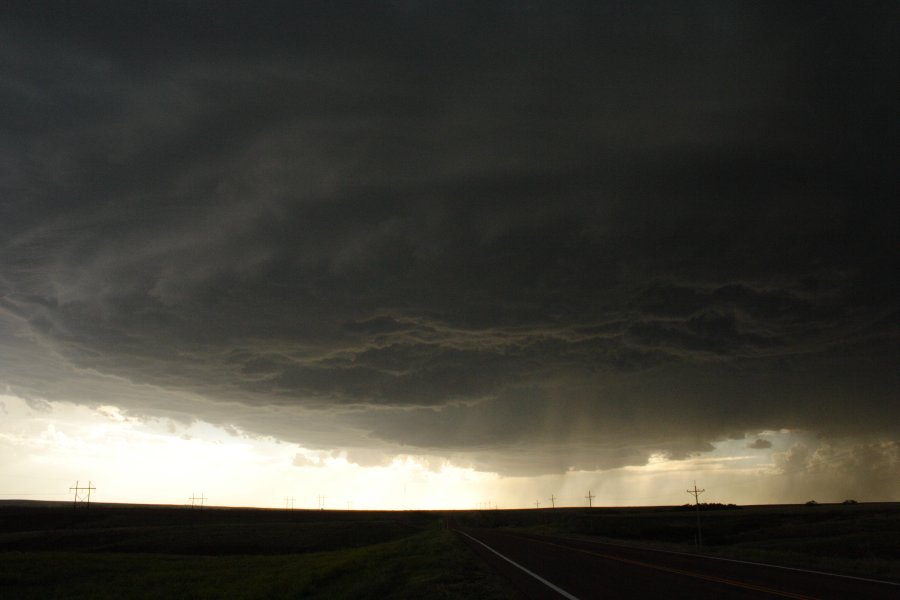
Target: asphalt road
pixel 585 570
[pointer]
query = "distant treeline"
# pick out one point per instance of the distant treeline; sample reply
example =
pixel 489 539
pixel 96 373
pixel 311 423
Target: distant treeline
pixel 707 506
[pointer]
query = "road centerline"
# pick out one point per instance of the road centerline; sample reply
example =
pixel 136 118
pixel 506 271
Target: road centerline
pixel 695 575
pixel 737 561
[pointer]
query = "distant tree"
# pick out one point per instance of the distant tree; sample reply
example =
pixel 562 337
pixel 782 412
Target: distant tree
pixel 849 501
pixel 812 503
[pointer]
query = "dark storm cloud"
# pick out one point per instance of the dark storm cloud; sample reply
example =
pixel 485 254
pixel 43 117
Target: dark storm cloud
pixel 535 239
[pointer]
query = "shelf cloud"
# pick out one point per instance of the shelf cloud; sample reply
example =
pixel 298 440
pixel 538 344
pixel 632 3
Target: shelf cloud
pixel 529 240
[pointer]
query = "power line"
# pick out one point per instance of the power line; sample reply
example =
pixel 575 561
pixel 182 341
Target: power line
pixel 16 495
pixel 197 500
pixel 80 495
pixel 696 494
pixel 590 498
pixel 34 493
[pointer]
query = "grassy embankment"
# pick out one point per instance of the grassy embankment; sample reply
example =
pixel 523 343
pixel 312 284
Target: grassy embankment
pixel 236 554
pixel 861 540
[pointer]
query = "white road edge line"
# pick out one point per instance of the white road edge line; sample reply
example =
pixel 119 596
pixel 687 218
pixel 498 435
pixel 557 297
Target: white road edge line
pixel 555 588
pixel 733 560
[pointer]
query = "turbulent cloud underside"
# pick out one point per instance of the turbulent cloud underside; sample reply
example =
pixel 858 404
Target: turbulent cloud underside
pixel 532 241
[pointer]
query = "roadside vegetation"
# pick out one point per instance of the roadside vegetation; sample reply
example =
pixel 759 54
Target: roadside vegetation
pixel 164 552
pixel 318 555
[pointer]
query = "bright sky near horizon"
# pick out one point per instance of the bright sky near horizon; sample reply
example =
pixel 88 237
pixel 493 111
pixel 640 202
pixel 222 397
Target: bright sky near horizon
pixel 424 254
pixel 44 446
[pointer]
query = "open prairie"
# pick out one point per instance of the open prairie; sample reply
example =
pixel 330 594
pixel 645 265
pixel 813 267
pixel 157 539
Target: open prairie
pixel 51 550
pixel 116 551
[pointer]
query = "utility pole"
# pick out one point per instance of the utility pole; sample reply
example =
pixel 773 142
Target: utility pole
pixel 552 501
pixel 197 500
pixel 590 498
pixel 289 502
pixel 80 496
pixel 321 502
pixel 696 494
pixel 537 504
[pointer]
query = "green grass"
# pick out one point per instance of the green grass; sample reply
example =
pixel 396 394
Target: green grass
pixel 160 552
pixel 431 564
pixel 213 538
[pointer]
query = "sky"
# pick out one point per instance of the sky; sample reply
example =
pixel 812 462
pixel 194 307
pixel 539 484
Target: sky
pixel 418 254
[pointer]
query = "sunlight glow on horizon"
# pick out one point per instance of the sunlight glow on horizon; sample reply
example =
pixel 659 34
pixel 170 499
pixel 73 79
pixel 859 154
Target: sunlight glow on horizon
pixel 47 446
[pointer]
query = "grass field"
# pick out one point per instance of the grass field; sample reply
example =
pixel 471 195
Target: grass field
pixel 161 552
pixel 173 553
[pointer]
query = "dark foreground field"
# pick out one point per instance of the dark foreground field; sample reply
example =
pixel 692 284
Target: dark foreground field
pixel 114 551
pixel 159 552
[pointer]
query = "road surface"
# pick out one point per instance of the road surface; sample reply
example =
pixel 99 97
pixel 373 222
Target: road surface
pixel 552 568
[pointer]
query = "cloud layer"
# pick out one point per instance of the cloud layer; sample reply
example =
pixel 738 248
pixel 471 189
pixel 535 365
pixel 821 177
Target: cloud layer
pixel 533 240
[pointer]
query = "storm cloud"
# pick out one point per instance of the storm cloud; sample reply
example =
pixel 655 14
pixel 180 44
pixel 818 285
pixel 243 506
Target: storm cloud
pixel 532 239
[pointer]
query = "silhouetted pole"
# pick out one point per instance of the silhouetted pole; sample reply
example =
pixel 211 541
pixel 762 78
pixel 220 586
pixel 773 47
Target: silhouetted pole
pixel 537 503
pixel 552 501
pixel 590 498
pixel 289 502
pixel 79 498
pixel 195 499
pixel 696 494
